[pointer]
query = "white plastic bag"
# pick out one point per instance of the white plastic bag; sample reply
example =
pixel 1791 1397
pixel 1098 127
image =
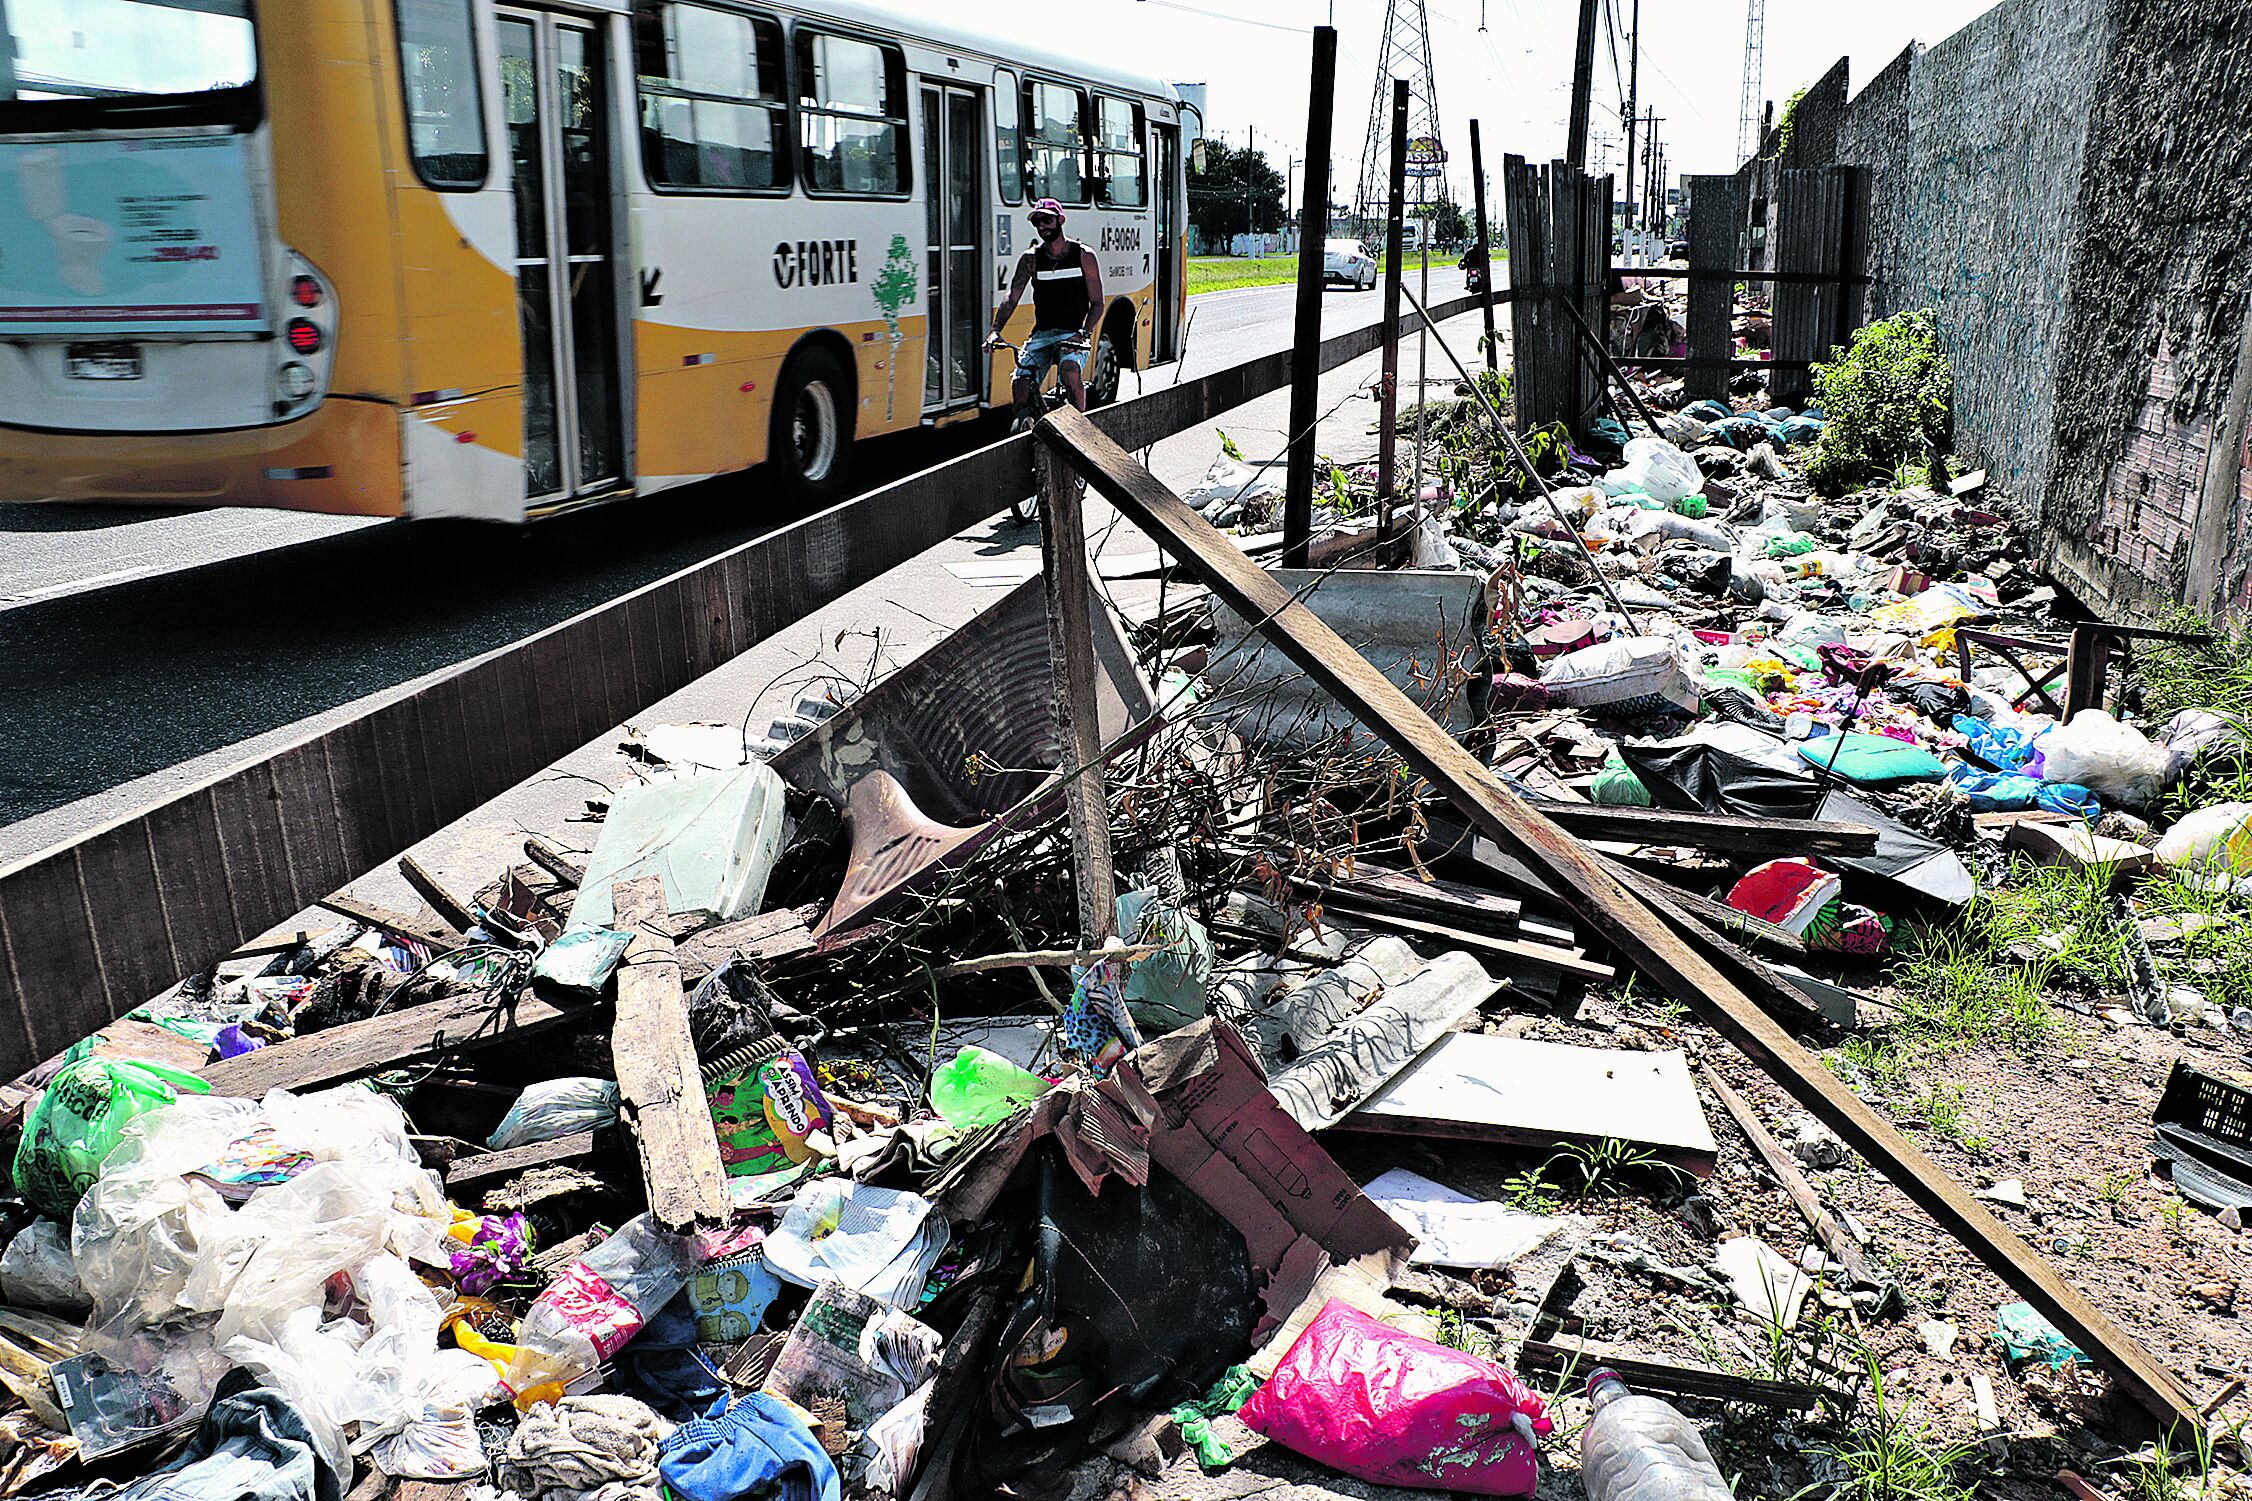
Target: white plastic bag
pixel 555 1108
pixel 1427 546
pixel 1232 480
pixel 1657 469
pixel 2217 838
pixel 2115 761
pixel 36 1270
pixel 2194 734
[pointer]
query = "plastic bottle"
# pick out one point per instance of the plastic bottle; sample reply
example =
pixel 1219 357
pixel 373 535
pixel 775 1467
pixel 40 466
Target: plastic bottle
pixel 1638 1448
pixel 595 1306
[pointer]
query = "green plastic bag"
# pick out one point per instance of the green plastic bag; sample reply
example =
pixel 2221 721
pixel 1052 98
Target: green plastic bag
pixel 1693 506
pixel 1194 1419
pixel 75 1125
pixel 978 1087
pixel 1616 786
pixel 1797 544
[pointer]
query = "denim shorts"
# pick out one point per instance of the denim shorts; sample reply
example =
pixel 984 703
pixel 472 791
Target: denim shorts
pixel 1045 348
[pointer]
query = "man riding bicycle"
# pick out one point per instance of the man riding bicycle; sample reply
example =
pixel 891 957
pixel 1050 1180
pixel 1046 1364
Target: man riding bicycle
pixel 1067 302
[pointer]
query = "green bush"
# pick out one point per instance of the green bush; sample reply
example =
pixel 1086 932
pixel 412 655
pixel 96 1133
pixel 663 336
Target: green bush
pixel 1889 398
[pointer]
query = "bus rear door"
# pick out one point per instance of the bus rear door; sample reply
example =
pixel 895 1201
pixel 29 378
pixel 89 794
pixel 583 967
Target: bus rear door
pixel 958 210
pixel 555 90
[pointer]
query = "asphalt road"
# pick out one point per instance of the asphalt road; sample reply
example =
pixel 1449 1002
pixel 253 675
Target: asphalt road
pixel 143 650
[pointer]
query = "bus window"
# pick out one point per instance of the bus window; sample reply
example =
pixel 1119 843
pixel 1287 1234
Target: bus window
pixel 65 63
pixel 712 102
pixel 852 107
pixel 1055 141
pixel 1008 139
pixel 445 114
pixel 1118 152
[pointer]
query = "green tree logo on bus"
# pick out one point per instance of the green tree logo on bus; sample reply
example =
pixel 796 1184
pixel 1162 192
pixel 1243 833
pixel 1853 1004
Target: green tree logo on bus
pixel 894 288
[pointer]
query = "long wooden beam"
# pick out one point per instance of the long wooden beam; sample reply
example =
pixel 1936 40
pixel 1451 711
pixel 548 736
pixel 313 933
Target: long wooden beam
pixel 1723 833
pixel 94 927
pixel 1651 942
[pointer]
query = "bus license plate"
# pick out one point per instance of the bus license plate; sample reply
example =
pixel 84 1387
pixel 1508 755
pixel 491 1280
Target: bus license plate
pixel 102 362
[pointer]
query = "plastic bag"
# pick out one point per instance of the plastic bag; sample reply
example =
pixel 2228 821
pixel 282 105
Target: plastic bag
pixel 1787 893
pixel 1626 676
pixel 2115 761
pixel 77 1122
pixel 978 1087
pixel 36 1270
pixel 555 1108
pixel 1232 480
pixel 1362 1397
pixel 2219 837
pixel 882 1458
pixel 1657 469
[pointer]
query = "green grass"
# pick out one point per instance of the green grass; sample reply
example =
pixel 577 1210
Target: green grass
pixel 1227 273
pixel 2171 676
pixel 1895 1458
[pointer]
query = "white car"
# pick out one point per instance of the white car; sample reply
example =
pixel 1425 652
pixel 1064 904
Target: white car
pixel 1348 262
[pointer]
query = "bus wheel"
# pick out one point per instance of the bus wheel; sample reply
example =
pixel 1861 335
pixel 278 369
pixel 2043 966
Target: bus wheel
pixel 1109 363
pixel 810 445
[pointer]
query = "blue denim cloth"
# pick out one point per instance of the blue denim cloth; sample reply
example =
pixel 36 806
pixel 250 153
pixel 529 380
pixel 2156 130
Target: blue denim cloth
pixel 251 1446
pixel 1045 348
pixel 758 1447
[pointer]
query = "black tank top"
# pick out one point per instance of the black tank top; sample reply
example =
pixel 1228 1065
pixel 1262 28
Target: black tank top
pixel 1059 292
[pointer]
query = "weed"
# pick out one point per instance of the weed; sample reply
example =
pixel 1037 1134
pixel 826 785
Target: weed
pixel 1532 1192
pixel 1889 397
pixel 2169 676
pixel 2171 1210
pixel 1606 1168
pixel 1228 446
pixel 1941 1105
pixel 2150 1475
pixel 1894 1458
pixel 2114 1187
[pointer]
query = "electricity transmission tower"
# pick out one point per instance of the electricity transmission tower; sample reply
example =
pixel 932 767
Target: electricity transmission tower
pixel 1748 111
pixel 1406 54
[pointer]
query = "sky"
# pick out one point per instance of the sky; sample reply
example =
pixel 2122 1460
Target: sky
pixel 1514 75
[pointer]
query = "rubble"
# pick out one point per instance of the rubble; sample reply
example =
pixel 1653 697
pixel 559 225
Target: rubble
pixel 941 1089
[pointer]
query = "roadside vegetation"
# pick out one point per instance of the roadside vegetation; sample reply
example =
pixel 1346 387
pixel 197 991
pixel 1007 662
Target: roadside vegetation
pixel 1227 273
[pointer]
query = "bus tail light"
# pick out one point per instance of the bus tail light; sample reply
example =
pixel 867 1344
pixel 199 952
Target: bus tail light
pixel 297 382
pixel 304 336
pixel 305 291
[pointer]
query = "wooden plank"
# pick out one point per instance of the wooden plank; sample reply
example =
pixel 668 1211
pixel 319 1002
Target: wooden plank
pixel 312 846
pixel 1834 1237
pixel 1477 1087
pixel 190 879
pixel 766 937
pixel 475 1173
pixel 1388 382
pixel 1512 953
pixel 1596 894
pixel 552 860
pixel 661 1099
pixel 1582 1357
pixel 1719 832
pixel 1305 344
pixel 452 910
pixel 397 924
pixel 1071 654
pixel 437 1029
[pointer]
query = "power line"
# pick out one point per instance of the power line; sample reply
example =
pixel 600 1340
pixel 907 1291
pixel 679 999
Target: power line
pixel 1220 15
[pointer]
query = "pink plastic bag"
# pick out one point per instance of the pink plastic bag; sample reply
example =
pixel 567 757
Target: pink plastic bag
pixel 1361 1397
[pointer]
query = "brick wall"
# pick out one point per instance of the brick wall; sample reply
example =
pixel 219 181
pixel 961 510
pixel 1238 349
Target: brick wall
pixel 2150 492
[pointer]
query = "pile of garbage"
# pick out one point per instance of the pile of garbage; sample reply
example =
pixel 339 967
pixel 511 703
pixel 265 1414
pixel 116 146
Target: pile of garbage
pixel 823 1129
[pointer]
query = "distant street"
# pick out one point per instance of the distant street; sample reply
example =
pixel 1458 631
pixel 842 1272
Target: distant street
pixel 144 650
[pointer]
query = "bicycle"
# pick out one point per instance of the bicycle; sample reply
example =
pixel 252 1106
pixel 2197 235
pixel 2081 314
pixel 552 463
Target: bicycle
pixel 1030 411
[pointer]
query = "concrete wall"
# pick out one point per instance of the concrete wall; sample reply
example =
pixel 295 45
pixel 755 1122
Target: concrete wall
pixel 2068 184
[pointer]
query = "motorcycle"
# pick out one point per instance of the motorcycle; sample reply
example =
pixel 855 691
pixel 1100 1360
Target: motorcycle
pixel 1473 273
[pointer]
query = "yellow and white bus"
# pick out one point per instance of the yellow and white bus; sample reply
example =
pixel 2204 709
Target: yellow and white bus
pixel 460 258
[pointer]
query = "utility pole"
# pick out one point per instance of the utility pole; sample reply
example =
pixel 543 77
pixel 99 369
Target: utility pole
pixel 1633 80
pixel 1305 349
pixel 1583 86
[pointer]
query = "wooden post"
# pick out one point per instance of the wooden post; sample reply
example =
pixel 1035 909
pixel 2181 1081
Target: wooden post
pixel 1583 87
pixel 1071 651
pixel 1485 247
pixel 1388 397
pixel 2086 655
pixel 1716 213
pixel 1305 350
pixel 661 1096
